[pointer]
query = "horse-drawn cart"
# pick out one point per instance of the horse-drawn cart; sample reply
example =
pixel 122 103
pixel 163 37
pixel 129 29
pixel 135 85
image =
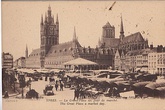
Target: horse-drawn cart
pixel 48 90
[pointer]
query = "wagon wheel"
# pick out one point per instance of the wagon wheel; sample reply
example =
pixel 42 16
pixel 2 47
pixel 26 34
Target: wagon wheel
pixel 94 96
pixel 89 95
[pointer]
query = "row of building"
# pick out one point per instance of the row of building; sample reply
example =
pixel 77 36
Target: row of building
pixel 7 60
pixel 126 53
pixel 151 60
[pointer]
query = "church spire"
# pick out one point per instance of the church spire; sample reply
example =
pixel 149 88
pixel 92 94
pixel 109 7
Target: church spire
pixel 26 52
pixel 45 18
pixel 41 19
pixel 49 11
pixel 49 8
pixel 121 29
pixel 53 19
pixel 57 19
pixel 74 35
pixel 99 42
pixel 49 18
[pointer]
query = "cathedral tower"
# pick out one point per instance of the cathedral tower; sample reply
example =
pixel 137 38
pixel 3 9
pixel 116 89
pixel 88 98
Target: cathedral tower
pixel 49 34
pixel 108 31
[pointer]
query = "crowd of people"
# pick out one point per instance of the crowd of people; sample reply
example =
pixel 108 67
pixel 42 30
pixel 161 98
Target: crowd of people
pixel 58 83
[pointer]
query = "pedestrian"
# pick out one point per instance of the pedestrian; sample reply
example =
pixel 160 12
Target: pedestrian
pixel 115 92
pixel 60 80
pixel 56 86
pixel 28 82
pixel 68 79
pixel 46 78
pixel 76 93
pixel 82 93
pixel 6 95
pixel 61 86
pixel 108 76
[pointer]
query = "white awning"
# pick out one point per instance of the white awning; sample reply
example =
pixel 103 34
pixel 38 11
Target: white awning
pixel 80 61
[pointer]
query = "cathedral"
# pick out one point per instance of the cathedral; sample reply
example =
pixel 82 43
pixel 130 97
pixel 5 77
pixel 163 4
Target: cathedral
pixel 53 54
pixel 126 43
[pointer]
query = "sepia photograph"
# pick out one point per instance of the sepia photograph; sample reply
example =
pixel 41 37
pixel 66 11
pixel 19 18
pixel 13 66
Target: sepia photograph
pixel 77 55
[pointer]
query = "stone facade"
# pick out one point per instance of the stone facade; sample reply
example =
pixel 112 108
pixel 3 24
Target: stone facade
pixel 51 54
pixel 126 43
pixel 151 59
pixel 20 63
pixel 156 63
pixel 7 60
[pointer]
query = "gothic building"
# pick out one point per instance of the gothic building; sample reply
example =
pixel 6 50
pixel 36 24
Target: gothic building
pixel 127 43
pixel 51 54
pixel 122 46
pixel 49 35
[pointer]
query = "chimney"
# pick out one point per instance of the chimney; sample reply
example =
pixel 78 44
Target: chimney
pixel 161 48
pixel 158 48
pixel 151 46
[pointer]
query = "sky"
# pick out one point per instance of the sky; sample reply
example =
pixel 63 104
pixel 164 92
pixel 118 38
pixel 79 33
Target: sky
pixel 21 22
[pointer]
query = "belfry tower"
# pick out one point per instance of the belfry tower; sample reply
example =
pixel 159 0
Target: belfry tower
pixel 49 34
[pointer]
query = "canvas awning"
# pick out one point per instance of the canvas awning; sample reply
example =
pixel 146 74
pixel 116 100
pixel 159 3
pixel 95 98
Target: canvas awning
pixel 42 70
pixel 80 61
pixel 26 70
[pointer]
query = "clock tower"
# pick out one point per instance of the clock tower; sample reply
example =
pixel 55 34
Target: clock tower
pixel 49 34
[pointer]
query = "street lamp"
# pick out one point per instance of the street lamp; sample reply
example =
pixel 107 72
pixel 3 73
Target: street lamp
pixel 22 83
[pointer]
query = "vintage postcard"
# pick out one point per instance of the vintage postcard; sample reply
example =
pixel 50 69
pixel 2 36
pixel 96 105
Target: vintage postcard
pixel 77 55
